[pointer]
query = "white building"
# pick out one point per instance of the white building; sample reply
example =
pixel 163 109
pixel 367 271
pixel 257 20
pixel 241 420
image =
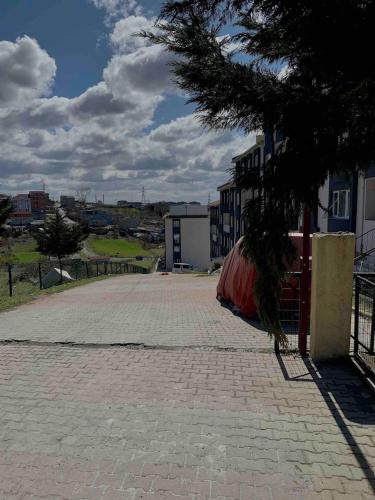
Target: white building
pixel 187 236
pixel 21 203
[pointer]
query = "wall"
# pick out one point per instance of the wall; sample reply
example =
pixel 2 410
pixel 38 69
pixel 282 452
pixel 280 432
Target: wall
pixel 195 242
pixel 169 244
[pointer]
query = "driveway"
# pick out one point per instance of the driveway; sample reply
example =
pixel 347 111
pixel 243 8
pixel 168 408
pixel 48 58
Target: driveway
pixel 173 310
pixel 200 412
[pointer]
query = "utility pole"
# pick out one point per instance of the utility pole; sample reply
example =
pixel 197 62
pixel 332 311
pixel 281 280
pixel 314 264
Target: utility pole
pixel 143 201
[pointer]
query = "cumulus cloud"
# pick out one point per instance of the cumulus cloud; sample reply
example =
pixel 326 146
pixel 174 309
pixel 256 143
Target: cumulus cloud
pixel 26 71
pixel 117 8
pixel 122 37
pixel 106 137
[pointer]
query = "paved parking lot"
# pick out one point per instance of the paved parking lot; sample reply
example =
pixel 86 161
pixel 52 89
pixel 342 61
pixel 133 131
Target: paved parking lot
pixel 177 421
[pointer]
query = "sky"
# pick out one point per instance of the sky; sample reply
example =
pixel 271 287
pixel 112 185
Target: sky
pixel 84 104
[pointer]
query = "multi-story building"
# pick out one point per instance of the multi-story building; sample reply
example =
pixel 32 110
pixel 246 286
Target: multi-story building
pixel 233 199
pixel 187 236
pixel 39 200
pixel 67 202
pixel 21 203
pixel 215 234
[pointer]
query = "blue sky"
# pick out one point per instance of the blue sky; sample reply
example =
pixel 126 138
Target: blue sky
pixel 93 108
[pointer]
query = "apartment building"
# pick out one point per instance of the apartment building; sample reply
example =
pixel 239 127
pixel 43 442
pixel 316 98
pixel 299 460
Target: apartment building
pixel 21 203
pixel 233 200
pixel 349 203
pixel 40 201
pixel 187 236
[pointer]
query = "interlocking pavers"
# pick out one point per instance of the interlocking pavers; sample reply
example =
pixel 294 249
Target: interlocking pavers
pixel 102 422
pixel 174 310
pixel 122 423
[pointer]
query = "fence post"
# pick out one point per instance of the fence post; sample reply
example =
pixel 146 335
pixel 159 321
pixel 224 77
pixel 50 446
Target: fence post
pixel 331 295
pixel 97 268
pixel 87 270
pixel 304 285
pixel 356 313
pixel 40 276
pixel 10 282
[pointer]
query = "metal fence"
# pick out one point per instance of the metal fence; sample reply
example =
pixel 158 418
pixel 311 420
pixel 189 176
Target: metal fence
pixel 23 279
pixel 291 309
pixel 364 321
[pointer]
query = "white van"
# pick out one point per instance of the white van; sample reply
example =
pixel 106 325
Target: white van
pixel 182 267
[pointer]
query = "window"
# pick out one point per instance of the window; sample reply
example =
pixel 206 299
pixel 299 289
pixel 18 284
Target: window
pixel 340 204
pixel 176 223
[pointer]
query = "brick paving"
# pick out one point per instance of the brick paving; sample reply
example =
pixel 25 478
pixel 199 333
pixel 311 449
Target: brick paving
pixel 105 422
pixel 142 309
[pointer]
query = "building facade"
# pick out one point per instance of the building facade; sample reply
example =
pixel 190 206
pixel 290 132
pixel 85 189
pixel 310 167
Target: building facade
pixel 21 203
pixel 187 236
pixel 233 200
pixel 67 202
pixel 40 200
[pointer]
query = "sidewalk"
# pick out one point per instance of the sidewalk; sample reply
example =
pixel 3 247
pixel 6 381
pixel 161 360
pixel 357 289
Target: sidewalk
pixel 179 422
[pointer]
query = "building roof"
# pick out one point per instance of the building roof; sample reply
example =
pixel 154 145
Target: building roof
pixel 259 142
pixel 225 186
pixel 214 203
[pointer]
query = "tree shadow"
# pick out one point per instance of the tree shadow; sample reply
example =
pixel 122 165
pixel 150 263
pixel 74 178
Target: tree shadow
pixel 345 393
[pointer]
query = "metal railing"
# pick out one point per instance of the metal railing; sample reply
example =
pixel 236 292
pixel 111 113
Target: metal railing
pixel 20 279
pixel 364 320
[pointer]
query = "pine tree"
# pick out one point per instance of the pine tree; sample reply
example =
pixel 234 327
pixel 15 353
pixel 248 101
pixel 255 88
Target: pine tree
pixel 59 239
pixel 300 68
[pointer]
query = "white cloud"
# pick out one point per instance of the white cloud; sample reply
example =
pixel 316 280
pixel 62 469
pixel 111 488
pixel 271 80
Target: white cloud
pixel 118 8
pixel 122 38
pixel 103 138
pixel 26 71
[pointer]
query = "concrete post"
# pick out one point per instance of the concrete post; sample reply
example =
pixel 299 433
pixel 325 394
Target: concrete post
pixel 331 295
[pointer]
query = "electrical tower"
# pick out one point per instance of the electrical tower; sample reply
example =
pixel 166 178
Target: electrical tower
pixel 143 200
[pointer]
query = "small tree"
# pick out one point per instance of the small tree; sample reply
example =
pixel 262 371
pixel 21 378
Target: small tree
pixel 59 239
pixel 5 210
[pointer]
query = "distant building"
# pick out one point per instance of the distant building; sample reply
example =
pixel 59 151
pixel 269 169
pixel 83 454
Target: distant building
pixel 67 202
pixel 39 200
pixel 187 236
pixel 21 203
pixel 96 218
pixel 20 219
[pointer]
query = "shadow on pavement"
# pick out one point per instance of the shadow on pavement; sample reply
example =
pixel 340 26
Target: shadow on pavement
pixel 345 393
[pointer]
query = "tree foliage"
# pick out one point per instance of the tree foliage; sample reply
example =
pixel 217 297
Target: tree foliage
pixel 5 210
pixel 59 239
pixel 323 102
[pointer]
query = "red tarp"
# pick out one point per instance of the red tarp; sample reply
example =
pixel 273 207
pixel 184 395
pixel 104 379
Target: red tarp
pixel 238 275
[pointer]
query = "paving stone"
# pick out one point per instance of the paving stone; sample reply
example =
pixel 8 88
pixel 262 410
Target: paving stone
pixel 173 422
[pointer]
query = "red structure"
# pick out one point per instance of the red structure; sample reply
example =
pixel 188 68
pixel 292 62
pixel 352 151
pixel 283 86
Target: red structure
pixel 238 276
pixel 39 200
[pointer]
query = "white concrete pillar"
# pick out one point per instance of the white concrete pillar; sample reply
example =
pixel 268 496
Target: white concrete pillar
pixel 331 295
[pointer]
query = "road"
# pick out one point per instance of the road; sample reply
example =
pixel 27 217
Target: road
pixel 199 408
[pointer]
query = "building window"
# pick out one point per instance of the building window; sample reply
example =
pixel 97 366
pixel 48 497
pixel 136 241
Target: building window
pixel 340 204
pixel 370 199
pixel 176 223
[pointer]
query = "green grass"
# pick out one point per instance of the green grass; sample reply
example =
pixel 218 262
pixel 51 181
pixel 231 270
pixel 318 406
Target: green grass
pixel 26 292
pixel 23 252
pixel 118 248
